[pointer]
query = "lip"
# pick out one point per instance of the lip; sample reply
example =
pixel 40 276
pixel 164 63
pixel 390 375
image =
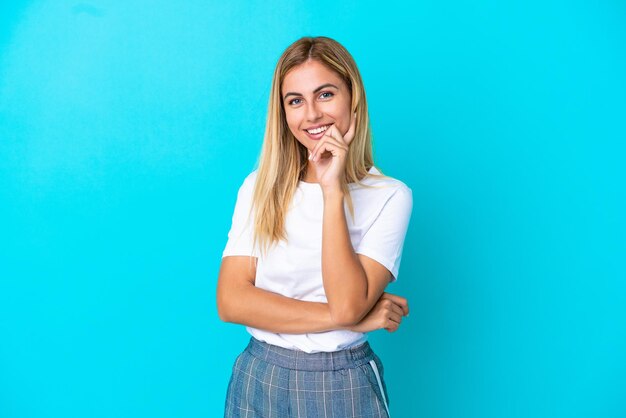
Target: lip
pixel 316 137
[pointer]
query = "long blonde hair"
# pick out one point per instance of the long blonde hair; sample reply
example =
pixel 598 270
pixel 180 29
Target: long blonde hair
pixel 283 159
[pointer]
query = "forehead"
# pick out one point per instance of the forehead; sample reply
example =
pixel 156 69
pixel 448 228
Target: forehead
pixel 308 76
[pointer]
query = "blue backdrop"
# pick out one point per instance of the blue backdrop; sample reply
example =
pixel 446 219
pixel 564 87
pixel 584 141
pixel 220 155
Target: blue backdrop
pixel 127 127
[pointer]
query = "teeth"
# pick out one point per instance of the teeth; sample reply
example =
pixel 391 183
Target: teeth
pixel 317 130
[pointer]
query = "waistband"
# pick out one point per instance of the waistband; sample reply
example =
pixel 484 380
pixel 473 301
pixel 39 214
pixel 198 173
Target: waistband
pixel 299 360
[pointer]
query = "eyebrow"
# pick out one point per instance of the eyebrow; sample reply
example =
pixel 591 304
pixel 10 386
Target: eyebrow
pixel 323 86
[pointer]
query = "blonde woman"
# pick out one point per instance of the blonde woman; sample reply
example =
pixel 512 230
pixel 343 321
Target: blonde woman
pixel 316 237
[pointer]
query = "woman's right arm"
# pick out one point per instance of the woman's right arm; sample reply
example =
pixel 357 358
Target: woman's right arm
pixel 241 302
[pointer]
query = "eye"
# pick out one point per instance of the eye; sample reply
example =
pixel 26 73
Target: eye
pixel 294 102
pixel 326 95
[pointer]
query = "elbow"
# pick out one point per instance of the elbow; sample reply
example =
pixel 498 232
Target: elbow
pixel 223 310
pixel 222 313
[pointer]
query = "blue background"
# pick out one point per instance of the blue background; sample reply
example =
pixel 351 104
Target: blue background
pixel 127 127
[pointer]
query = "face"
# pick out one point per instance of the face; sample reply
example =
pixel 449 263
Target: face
pixel 314 98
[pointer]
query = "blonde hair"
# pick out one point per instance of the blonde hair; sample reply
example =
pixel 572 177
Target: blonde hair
pixel 283 160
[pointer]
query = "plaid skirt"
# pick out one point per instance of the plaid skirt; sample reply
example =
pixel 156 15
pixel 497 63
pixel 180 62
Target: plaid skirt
pixel 274 382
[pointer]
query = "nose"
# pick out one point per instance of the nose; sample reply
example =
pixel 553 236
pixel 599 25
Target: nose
pixel 313 112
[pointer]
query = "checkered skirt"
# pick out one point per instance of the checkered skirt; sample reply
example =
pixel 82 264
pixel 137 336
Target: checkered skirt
pixel 274 382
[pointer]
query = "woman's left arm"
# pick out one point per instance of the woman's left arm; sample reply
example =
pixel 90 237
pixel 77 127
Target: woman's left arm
pixel 353 282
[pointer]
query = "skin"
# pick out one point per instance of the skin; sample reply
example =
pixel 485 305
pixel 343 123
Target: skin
pixel 306 106
pixel 314 95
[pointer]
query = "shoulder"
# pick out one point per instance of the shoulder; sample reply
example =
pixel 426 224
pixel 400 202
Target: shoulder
pixel 250 178
pixel 387 185
pixel 379 194
pixel 245 193
pixel 247 185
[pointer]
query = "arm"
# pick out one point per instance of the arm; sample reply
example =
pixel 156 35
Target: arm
pixel 239 301
pixel 353 283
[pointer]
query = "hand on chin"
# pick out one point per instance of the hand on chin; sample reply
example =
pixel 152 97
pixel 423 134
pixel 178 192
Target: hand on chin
pixel 324 170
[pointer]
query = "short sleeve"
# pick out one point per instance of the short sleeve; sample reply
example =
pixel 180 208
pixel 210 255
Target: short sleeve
pixel 240 236
pixel 384 240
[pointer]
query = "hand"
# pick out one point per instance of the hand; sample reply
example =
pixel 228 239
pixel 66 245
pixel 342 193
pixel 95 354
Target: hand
pixel 328 158
pixel 387 313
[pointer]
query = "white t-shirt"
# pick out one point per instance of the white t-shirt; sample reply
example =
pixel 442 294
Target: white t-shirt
pixel 294 268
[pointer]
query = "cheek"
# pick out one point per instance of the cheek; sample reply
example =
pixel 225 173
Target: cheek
pixel 292 121
pixel 293 127
pixel 342 116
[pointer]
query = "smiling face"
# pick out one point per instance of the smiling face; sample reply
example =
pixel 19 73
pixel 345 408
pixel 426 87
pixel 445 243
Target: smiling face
pixel 315 97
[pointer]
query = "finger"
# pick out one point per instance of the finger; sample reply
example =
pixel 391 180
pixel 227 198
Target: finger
pixel 312 152
pixel 331 145
pixel 321 149
pixel 392 327
pixel 317 146
pixel 333 132
pixel 395 317
pixel 397 309
pixel 399 300
pixel 349 136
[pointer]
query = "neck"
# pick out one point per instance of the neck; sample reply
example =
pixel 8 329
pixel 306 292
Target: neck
pixel 309 175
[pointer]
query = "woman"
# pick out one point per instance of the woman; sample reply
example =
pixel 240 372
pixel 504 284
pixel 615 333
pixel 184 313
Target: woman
pixel 317 235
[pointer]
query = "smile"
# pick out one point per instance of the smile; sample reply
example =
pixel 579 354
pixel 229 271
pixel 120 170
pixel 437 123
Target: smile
pixel 317 130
